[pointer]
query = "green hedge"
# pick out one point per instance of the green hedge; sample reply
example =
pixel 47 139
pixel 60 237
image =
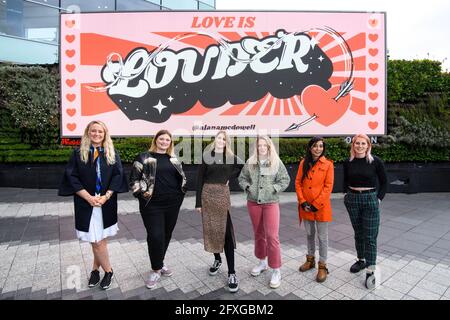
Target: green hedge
pixel 409 81
pixel 291 151
pixel 30 96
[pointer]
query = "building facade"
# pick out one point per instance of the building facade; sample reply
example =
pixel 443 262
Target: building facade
pixel 29 29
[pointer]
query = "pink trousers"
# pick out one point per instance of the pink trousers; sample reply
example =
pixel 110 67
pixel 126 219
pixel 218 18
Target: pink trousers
pixel 266 223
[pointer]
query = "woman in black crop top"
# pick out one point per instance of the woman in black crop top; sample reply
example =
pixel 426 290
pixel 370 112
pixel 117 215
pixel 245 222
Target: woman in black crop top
pixel 219 166
pixel 365 184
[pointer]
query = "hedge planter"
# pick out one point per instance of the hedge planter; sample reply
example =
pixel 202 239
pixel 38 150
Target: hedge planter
pixel 402 177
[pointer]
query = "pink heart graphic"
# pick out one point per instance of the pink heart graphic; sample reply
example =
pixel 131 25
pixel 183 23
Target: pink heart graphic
pixel 321 103
pixel 71 96
pixel 71 126
pixel 373 95
pixel 70 67
pixel 70 38
pixel 373 81
pixel 373 37
pixel 70 53
pixel 373 22
pixel 70 82
pixel 71 112
pixel 373 66
pixel 373 124
pixel 373 52
pixel 70 23
pixel 373 110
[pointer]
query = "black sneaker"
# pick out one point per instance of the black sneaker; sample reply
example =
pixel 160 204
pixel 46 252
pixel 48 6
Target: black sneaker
pixel 370 280
pixel 358 266
pixel 106 281
pixel 233 283
pixel 215 267
pixel 94 279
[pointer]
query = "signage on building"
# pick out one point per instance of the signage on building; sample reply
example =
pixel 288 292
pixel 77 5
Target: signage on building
pixel 194 73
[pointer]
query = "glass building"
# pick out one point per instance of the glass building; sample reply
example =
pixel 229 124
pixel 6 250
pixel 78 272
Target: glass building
pixel 29 28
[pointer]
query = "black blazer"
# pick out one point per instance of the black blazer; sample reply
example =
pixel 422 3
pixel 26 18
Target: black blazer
pixel 79 175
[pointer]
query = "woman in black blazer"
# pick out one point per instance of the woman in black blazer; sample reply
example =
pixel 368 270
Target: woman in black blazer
pixel 94 176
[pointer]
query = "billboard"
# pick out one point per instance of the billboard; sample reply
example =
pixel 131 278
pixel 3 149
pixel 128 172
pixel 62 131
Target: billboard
pixel 194 73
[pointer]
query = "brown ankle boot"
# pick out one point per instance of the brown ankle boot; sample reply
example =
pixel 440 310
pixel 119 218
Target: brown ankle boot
pixel 309 264
pixel 322 272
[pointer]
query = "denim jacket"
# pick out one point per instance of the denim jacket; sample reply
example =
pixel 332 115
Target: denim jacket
pixel 261 184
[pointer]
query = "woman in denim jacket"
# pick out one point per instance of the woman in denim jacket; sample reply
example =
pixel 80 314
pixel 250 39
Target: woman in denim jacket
pixel 263 177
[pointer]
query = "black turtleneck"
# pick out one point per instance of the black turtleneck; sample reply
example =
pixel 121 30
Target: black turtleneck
pixel 218 169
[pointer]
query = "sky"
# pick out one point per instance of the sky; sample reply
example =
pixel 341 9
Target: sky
pixel 415 29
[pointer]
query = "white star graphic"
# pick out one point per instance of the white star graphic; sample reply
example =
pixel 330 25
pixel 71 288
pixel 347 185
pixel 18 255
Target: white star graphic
pixel 313 42
pixel 170 98
pixel 320 58
pixel 159 106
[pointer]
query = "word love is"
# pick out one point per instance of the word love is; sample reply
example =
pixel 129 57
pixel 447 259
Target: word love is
pixel 223 22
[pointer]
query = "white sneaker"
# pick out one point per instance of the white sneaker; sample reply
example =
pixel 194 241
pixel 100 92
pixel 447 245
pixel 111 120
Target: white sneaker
pixel 165 271
pixel 275 281
pixel 261 267
pixel 152 280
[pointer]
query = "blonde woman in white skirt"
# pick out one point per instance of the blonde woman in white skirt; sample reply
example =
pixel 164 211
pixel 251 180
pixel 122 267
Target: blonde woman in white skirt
pixel 94 176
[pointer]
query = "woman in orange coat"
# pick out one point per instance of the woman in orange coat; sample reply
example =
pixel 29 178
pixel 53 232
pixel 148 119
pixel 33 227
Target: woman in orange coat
pixel 313 185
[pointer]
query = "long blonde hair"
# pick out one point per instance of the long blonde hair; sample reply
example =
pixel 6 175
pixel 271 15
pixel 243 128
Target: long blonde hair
pixel 154 148
pixel 369 156
pixel 107 143
pixel 272 155
pixel 228 149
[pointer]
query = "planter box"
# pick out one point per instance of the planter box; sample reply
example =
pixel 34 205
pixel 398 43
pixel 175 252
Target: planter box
pixel 402 177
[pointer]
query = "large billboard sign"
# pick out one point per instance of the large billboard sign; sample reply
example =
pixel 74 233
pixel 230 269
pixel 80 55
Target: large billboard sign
pixel 193 73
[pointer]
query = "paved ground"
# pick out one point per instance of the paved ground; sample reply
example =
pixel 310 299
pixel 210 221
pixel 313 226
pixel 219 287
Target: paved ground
pixel 42 259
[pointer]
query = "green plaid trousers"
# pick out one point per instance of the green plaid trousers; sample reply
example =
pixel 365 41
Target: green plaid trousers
pixel 364 212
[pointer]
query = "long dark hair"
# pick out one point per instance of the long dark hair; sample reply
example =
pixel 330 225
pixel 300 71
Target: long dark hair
pixel 308 161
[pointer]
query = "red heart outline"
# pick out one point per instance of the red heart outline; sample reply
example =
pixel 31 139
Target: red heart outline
pixel 70 53
pixel 373 124
pixel 373 81
pixel 71 82
pixel 373 52
pixel 71 96
pixel 373 66
pixel 373 37
pixel 321 102
pixel 71 112
pixel 70 38
pixel 70 67
pixel 373 110
pixel 71 126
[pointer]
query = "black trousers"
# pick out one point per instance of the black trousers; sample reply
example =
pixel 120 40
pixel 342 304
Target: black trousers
pixel 160 218
pixel 228 247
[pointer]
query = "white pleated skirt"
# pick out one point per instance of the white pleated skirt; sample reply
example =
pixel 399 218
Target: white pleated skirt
pixel 96 232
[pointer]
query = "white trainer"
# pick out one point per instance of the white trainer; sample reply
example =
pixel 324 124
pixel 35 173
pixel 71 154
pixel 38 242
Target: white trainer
pixel 261 267
pixel 275 281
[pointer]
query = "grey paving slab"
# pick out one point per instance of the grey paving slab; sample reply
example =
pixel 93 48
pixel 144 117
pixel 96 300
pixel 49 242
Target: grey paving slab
pixel 38 238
